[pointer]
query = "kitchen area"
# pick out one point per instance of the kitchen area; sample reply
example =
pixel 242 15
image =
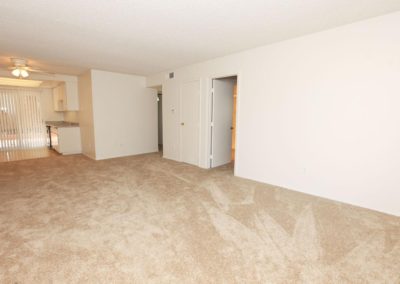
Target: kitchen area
pixel 63 136
pixel 39 118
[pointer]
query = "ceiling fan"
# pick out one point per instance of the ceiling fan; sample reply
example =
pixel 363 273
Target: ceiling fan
pixel 21 69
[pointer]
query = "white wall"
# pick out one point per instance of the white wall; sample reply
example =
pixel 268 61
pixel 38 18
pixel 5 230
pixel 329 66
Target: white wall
pixel 318 114
pixel 125 115
pixel 71 116
pixel 47 106
pixel 86 121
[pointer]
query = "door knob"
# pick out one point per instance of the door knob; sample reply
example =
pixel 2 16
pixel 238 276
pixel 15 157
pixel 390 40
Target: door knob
pixel 182 123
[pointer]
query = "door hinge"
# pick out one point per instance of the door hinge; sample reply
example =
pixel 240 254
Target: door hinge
pixel 212 124
pixel 211 157
pixel 212 90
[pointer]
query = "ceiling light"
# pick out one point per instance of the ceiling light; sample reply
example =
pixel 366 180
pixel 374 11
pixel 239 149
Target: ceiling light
pixel 20 73
pixel 24 73
pixel 16 72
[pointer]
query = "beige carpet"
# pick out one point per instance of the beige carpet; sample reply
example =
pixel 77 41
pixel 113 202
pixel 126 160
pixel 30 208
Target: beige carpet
pixel 148 220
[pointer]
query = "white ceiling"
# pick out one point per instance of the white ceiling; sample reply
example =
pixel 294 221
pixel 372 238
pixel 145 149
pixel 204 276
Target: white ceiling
pixel 148 36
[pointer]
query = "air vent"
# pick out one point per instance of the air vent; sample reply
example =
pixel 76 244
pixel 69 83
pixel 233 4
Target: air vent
pixel 171 75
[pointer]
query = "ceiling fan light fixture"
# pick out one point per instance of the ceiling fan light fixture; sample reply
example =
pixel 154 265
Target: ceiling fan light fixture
pixel 16 72
pixel 20 73
pixel 24 73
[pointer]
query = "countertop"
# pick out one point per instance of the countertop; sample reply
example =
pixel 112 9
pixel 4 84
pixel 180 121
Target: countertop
pixel 62 124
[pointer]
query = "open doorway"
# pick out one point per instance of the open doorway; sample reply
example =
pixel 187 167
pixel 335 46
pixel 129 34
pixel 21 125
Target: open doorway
pixel 223 121
pixel 160 122
pixel 159 118
pixel 160 135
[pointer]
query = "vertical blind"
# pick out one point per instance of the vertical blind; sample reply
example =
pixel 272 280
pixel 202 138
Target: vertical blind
pixel 21 123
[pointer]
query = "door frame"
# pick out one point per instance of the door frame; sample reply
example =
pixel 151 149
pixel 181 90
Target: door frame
pixel 157 88
pixel 209 105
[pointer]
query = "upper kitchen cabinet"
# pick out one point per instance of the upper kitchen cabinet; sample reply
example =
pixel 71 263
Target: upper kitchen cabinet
pixel 65 96
pixel 60 98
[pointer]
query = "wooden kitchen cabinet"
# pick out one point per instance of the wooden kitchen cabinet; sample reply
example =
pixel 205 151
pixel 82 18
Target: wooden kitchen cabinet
pixel 65 96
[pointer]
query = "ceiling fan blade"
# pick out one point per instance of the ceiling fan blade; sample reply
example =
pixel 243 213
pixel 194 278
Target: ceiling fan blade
pixel 22 64
pixel 15 67
pixel 30 69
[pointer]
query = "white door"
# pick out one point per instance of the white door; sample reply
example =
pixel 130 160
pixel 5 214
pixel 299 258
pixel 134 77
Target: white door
pixel 190 104
pixel 221 125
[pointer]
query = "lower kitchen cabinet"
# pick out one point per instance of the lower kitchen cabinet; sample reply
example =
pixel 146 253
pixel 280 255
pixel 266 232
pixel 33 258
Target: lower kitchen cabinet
pixel 66 140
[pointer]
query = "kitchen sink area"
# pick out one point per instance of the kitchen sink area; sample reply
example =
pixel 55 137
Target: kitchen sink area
pixel 62 124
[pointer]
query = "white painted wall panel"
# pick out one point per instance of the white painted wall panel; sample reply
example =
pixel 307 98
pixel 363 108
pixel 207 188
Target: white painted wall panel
pixel 47 108
pixel 317 114
pixel 125 115
pixel 86 121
